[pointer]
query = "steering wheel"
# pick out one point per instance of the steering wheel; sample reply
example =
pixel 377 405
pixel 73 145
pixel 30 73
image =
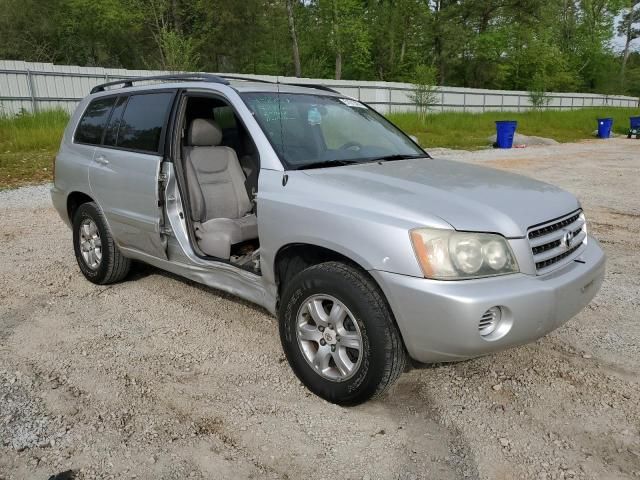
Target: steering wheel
pixel 355 146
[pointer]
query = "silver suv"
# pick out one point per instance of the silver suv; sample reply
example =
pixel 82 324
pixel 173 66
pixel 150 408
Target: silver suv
pixel 373 255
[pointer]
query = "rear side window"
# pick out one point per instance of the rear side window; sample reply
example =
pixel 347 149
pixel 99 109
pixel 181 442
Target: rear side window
pixel 94 121
pixel 143 120
pixel 111 135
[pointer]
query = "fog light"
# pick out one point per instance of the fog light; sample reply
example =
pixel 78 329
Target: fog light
pixel 495 323
pixel 489 321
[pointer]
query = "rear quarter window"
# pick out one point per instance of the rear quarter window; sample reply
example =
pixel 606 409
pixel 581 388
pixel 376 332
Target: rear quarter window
pixel 143 120
pixel 93 122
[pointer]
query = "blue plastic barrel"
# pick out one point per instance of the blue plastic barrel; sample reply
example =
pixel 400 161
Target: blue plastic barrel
pixel 604 127
pixel 635 123
pixel 505 130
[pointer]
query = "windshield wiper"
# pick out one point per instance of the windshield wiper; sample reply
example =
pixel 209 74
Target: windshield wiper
pixel 396 156
pixel 326 163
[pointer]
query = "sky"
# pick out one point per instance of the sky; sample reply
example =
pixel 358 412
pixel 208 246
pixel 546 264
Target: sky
pixel 618 41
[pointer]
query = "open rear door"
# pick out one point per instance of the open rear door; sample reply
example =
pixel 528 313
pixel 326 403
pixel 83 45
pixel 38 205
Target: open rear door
pixel 126 178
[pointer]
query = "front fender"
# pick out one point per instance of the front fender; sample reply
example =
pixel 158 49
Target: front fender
pixel 300 211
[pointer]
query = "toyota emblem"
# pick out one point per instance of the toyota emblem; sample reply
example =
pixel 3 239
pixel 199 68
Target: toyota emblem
pixel 567 238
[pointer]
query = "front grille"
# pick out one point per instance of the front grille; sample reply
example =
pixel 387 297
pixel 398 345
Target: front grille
pixel 555 243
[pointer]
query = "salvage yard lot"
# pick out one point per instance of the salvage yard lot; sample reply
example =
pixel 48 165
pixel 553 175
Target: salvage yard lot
pixel 161 378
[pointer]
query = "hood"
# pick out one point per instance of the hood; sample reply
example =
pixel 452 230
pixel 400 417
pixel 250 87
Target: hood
pixel 468 197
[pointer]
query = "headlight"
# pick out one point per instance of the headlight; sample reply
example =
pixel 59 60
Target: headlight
pixel 451 255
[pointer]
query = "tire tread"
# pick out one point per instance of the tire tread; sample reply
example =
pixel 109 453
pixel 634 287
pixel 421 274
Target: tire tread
pixel 397 358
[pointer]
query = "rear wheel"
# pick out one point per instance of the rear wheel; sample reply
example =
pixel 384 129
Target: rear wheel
pixel 339 335
pixel 98 256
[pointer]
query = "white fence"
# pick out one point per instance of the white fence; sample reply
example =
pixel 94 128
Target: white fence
pixel 41 86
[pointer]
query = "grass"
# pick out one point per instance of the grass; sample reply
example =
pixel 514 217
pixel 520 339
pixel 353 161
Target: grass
pixel 28 144
pixel 470 131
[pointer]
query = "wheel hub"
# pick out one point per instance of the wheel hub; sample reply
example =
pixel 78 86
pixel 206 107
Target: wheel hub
pixel 90 243
pixel 329 337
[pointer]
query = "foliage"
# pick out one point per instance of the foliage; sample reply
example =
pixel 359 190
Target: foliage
pixel 425 93
pixel 470 43
pixel 538 97
pixel 28 143
pixel 28 131
pixel 178 52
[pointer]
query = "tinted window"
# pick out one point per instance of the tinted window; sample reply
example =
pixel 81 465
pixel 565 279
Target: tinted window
pixel 93 121
pixel 111 135
pixel 224 117
pixel 142 122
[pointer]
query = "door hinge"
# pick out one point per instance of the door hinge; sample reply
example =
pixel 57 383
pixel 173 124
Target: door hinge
pixel 166 230
pixel 162 177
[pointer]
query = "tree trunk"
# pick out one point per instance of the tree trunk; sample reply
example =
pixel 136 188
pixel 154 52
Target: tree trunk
pixel 177 23
pixel 294 38
pixel 629 37
pixel 336 40
pixel 625 59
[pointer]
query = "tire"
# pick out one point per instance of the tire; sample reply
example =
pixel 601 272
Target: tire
pixel 381 358
pixel 111 266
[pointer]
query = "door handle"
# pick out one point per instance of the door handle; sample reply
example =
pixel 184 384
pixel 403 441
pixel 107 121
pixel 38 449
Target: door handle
pixel 101 159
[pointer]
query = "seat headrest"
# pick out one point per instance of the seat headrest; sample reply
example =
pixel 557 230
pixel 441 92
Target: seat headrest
pixel 204 133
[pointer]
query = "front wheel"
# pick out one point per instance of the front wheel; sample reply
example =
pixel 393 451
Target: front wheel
pixel 339 335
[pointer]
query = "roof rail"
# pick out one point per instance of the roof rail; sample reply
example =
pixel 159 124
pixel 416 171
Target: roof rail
pixel 261 80
pixel 247 79
pixel 200 77
pixel 314 85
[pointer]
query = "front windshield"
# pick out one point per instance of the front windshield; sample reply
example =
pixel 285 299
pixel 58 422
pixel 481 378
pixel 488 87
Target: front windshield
pixel 308 130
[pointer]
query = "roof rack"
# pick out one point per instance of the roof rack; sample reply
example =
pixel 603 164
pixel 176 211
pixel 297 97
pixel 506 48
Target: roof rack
pixel 203 77
pixel 200 77
pixel 246 79
pixel 261 80
pixel 314 85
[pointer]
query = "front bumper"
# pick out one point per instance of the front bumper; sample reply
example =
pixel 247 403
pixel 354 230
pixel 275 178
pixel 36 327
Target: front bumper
pixel 439 319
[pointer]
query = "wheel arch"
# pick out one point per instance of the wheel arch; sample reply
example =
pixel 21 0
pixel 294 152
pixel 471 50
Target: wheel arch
pixel 292 258
pixel 74 200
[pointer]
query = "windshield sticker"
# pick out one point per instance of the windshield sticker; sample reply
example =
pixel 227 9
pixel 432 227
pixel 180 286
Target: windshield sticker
pixel 352 103
pixel 314 117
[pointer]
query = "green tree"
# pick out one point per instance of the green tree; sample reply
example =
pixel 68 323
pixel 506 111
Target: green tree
pixel 535 45
pixel 345 26
pixel 425 92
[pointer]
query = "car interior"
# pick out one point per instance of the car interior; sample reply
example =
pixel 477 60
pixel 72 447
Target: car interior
pixel 220 168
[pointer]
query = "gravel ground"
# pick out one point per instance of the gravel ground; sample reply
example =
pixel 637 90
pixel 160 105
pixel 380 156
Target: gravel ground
pixel 160 378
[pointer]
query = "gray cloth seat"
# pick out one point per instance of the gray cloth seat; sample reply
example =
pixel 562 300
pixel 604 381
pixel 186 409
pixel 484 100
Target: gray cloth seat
pixel 220 206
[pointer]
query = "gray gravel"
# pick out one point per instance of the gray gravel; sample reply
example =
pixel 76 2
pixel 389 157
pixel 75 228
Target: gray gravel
pixel 158 377
pixel 35 196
